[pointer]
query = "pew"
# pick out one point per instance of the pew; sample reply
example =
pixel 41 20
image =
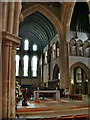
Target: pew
pixel 33 119
pixel 82 117
pixel 54 118
pixel 75 97
pixel 70 117
pixel 66 118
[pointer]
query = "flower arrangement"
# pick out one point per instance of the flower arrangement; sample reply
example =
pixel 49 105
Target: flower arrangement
pixel 19 95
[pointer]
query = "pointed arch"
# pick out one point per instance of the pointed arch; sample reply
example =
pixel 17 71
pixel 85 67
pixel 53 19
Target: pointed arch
pixel 83 66
pixel 46 12
pixel 67 15
pixel 56 72
pixel 79 81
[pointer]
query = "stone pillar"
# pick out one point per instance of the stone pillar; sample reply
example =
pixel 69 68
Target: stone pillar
pixel 8 74
pixel 10 26
pixel 0 80
pixel 5 79
pixel 12 83
pixel 89 87
pixel 0 62
pixel 16 17
pixel 4 15
pixel 83 83
pixel 11 17
pixel 64 65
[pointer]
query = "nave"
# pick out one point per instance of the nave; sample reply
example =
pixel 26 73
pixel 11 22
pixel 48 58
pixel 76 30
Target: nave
pixel 48 108
pixel 44 45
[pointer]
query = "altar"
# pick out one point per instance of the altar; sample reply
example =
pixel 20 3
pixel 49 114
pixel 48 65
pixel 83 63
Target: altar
pixel 56 94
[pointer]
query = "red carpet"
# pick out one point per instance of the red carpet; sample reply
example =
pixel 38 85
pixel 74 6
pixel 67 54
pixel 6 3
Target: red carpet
pixel 49 101
pixel 32 109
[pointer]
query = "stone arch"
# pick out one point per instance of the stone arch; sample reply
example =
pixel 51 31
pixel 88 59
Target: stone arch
pixel 46 12
pixel 72 42
pixel 79 42
pixel 67 15
pixel 86 43
pixel 74 86
pixel 82 65
pixel 80 49
pixel 55 72
pixel 72 47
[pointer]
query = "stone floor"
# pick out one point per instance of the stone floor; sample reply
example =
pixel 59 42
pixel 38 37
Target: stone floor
pixel 51 108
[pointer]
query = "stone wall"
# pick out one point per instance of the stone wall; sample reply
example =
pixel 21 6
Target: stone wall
pixel 34 82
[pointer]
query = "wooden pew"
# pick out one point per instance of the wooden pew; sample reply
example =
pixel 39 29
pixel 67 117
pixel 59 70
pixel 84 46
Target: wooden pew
pixel 54 118
pixel 33 119
pixel 82 117
pixel 66 118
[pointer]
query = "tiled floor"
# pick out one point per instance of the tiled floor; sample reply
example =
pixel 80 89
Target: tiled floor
pixel 50 108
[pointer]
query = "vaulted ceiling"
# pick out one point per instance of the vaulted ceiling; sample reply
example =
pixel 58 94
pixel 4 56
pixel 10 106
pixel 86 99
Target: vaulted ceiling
pixel 37 29
pixel 80 18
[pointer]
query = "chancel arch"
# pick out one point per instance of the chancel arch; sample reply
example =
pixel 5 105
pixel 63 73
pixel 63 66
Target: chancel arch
pixel 42 28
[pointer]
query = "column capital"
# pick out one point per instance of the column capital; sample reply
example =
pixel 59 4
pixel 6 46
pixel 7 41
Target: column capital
pixel 7 37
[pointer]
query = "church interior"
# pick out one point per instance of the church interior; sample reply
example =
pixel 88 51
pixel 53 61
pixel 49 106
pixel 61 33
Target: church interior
pixel 45 60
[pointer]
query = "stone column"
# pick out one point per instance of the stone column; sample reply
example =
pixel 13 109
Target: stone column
pixel 4 15
pixel 0 80
pixel 12 83
pixel 11 17
pixel 5 79
pixel 10 26
pixel 83 83
pixel 0 62
pixel 8 74
pixel 89 87
pixel 64 68
pixel 16 17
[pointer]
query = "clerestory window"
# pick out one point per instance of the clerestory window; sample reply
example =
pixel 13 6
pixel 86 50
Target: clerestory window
pixel 26 45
